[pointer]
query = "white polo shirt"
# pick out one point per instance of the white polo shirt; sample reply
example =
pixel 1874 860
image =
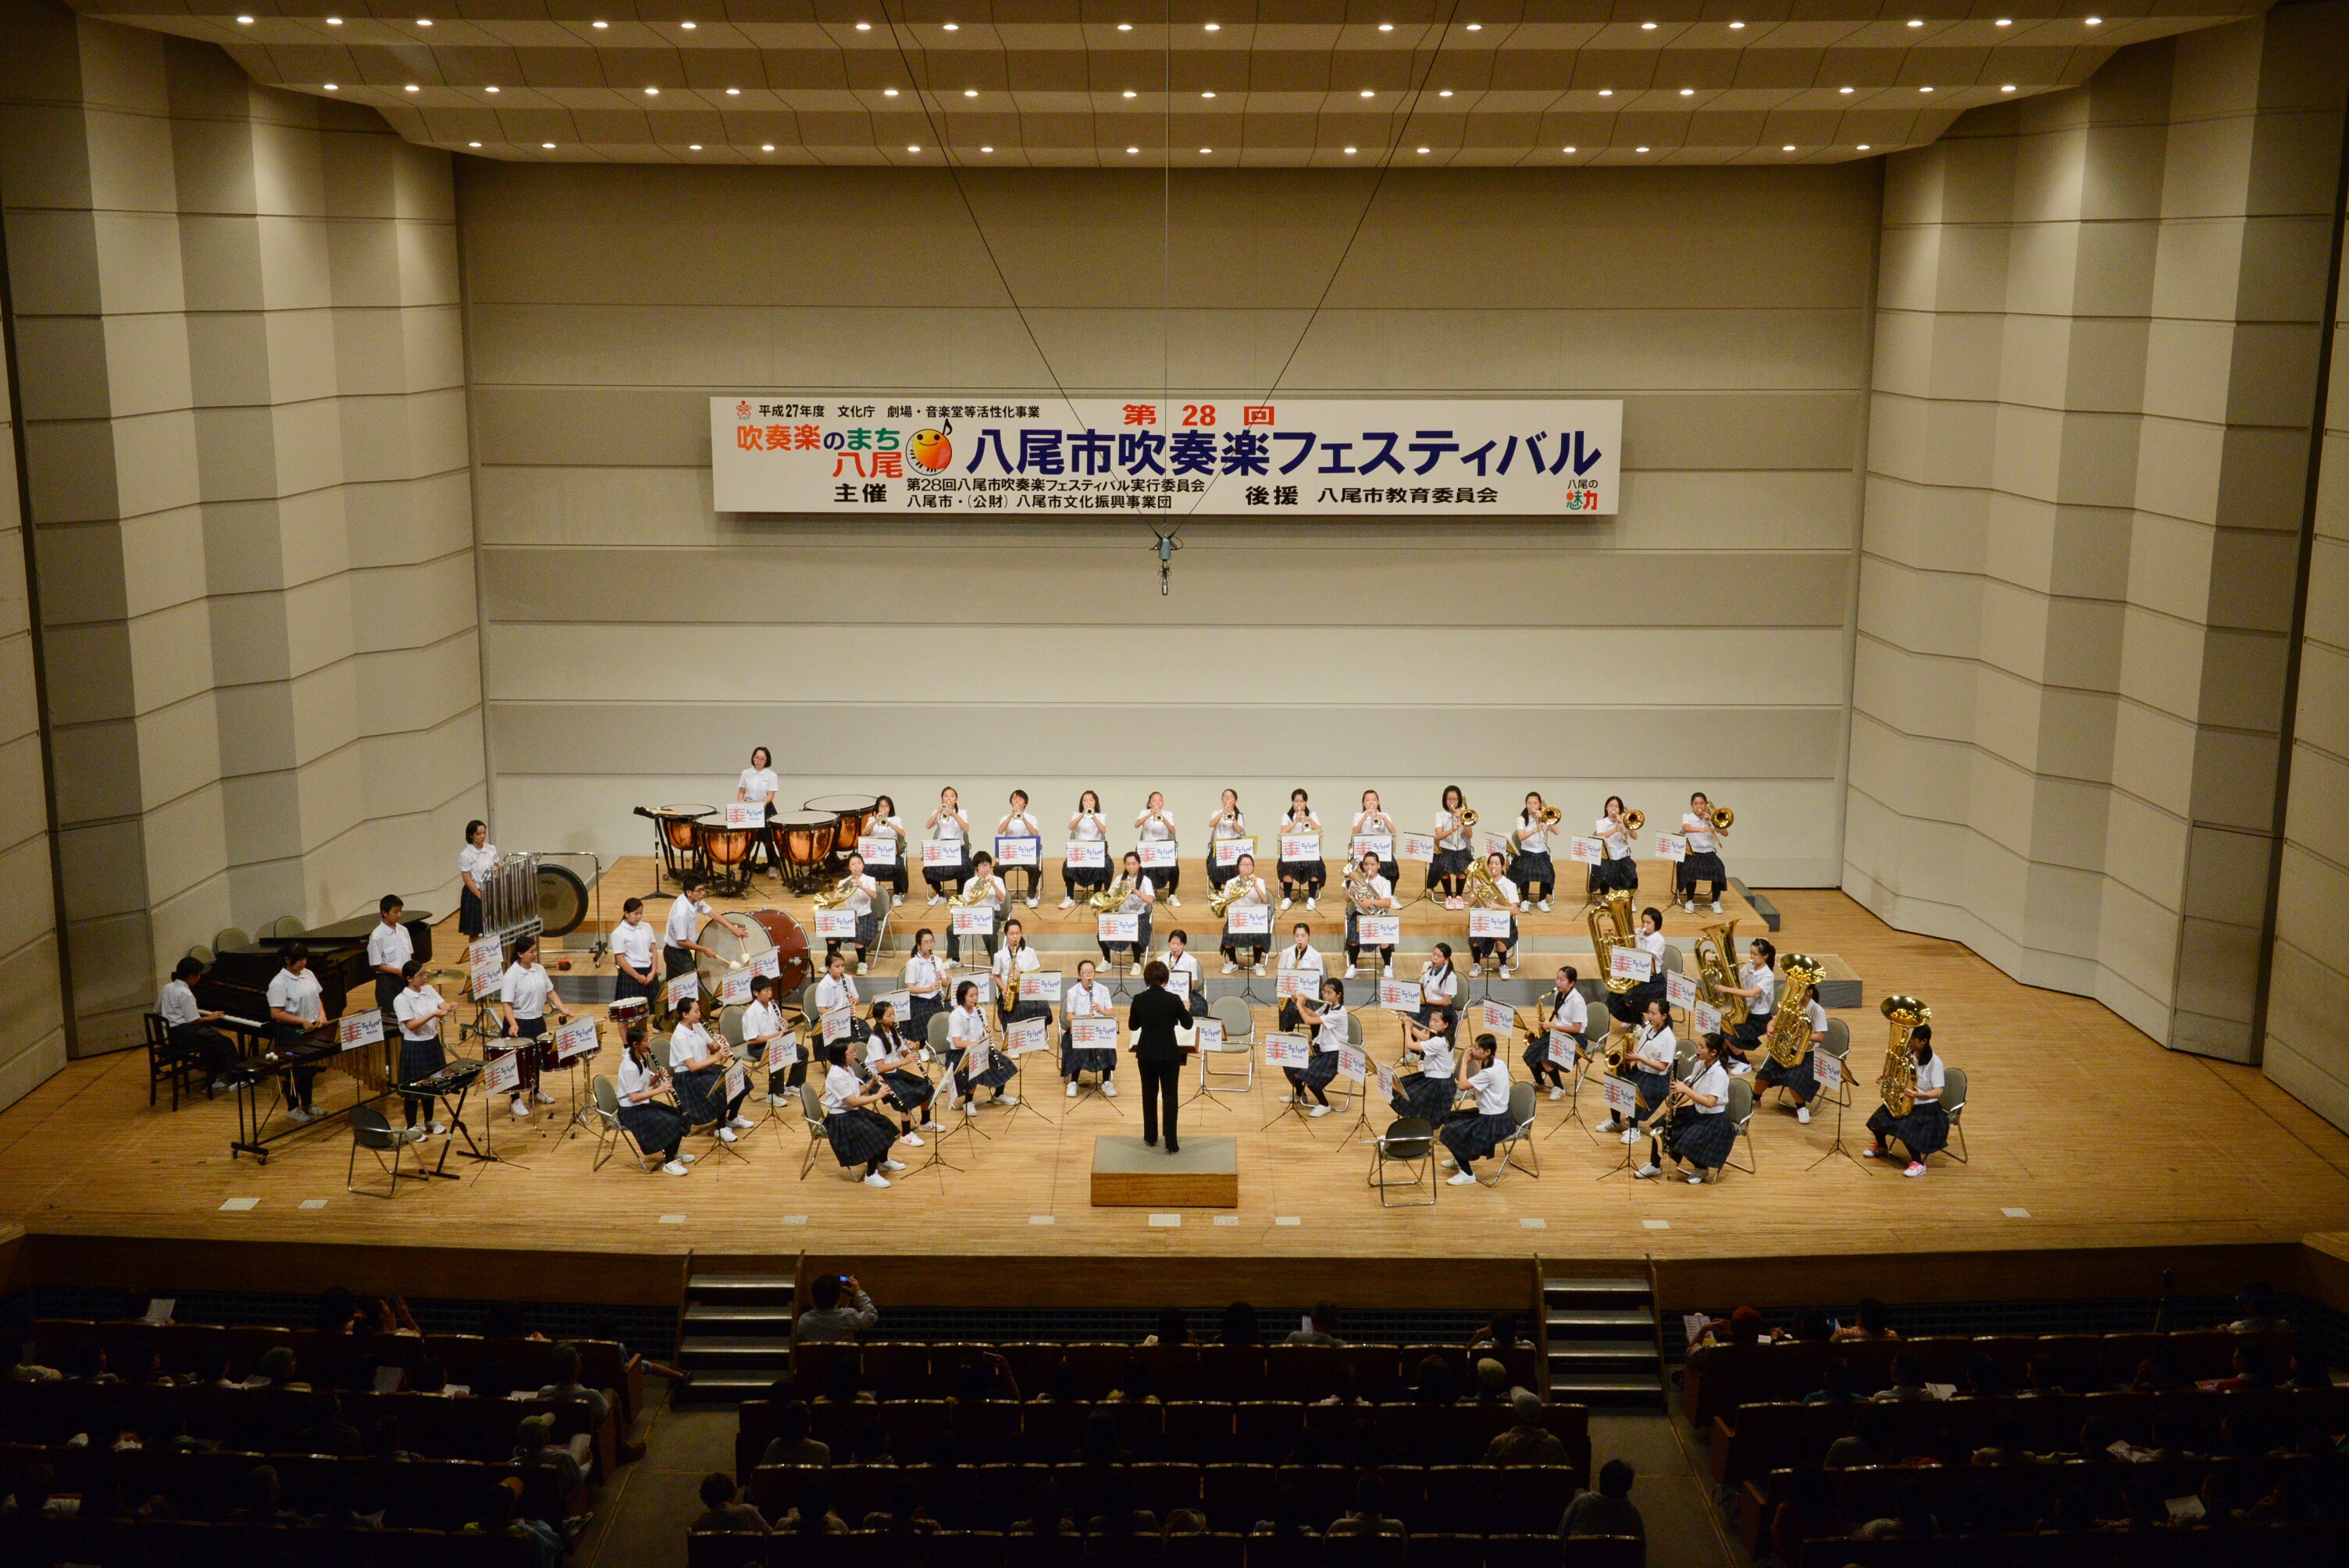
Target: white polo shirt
pixel 758 785
pixel 416 1003
pixel 297 994
pixel 684 921
pixel 389 946
pixel 525 990
pixel 634 940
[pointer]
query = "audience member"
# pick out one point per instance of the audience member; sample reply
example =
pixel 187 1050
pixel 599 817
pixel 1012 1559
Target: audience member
pixel 814 1516
pixel 1500 1334
pixel 1867 1443
pixel 791 1445
pixel 1526 1442
pixel 1239 1324
pixel 1369 1515
pixel 1808 1512
pixel 1320 1328
pixel 535 1449
pixel 827 1321
pixel 2257 1304
pixel 722 1514
pixel 276 1368
pixel 1838 1390
pixel 1171 1328
pixel 1433 1382
pixel 327 1433
pixel 1910 1520
pixel 2251 1369
pixel 1870 1322
pixel 1608 1511
pixel 567 1389
pixel 499 1516
pixel 1492 1382
pixel 1908 1383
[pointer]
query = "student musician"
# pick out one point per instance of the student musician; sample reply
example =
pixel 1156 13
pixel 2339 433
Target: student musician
pixel 390 947
pixel 1703 861
pixel 1179 961
pixel 1086 826
pixel 1019 822
pixel 1698 1134
pixel 966 1027
pixel 1563 1011
pixel 656 1126
pixel 1533 871
pixel 836 993
pixel 949 824
pixel 474 863
pixel 1012 960
pixel 1157 826
pixel 190 1027
pixel 1629 1007
pixel 1502 951
pixel 861 891
pixel 1377 898
pixel 990 894
pixel 1926 1128
pixel 699 1071
pixel 1089 998
pixel 1448 875
pixel 887 824
pixel 1245 951
pixel 859 1134
pixel 294 1010
pixel 632 954
pixel 1439 982
pixel 1229 822
pixel 1757 981
pixel 757 787
pixel 894 1063
pixel 419 1008
pixel 762 1025
pixel 1430 1093
pixel 924 980
pixel 1303 960
pixel 1301 879
pixel 1139 896
pixel 1800 1082
pixel 681 937
pixel 1654 1054
pixel 1373 818
pixel 1470 1136
pixel 1617 869
pixel 1324 1016
pixel 523 997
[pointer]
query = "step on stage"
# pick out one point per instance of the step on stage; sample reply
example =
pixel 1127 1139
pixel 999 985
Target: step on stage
pixel 1130 1174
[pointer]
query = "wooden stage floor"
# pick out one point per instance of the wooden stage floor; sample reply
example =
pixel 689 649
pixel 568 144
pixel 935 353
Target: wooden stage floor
pixel 2214 1157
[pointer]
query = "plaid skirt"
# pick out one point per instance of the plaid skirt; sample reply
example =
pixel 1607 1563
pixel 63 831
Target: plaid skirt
pixel 858 1137
pixel 1802 1077
pixel 1000 1071
pixel 1924 1131
pixel 1316 1072
pixel 1427 1095
pixel 1609 875
pixel 701 1095
pixel 1698 1139
pixel 938 875
pixel 1703 867
pixel 1652 1087
pixel 921 1010
pixel 1528 868
pixel 1102 1060
pixel 1448 863
pixel 1313 873
pixel 908 1090
pixel 1471 1138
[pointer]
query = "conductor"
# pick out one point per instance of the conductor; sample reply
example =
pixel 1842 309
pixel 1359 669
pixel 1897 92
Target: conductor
pixel 1154 1016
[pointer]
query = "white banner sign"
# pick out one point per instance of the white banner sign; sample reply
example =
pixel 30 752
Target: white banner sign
pixel 734 989
pixel 1630 963
pixel 1116 928
pixel 1159 856
pixel 485 960
pixel 1301 847
pixel 1184 453
pixel 1680 990
pixel 1304 983
pixel 1088 854
pixel 836 925
pixel 1211 1034
pixel 1496 1018
pixel 1671 847
pixel 1561 1048
pixel 1385 1083
pixel 836 1026
pixel 1249 920
pixel 1494 844
pixel 768 962
pixel 1093 1034
pixel 900 1005
pixel 742 814
pixel 683 988
pixel 1400 995
pixel 1230 850
pixel 504 1073
pixel 1622 1098
pixel 1379 844
pixel 738 1082
pixel 576 1039
pixel 781 1052
pixel 1026 1034
pixel 1418 847
pixel 1827 1067
pixel 1590 851
pixel 878 850
pixel 1707 1016
pixel 982 989
pixel 1018 852
pixel 1489 924
pixel 1039 985
pixel 974 919
pixel 360 1029
pixel 1378 930
pixel 1178 984
pixel 1288 1051
pixel 942 851
pixel 1353 1064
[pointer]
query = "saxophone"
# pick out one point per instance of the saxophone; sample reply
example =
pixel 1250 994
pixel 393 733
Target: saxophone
pixel 837 894
pixel 1789 1033
pixel 1716 967
pixel 1898 1083
pixel 1613 910
pixel 1112 899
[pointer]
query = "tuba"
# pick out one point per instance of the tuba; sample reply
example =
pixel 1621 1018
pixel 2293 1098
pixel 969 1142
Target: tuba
pixel 1898 1083
pixel 1112 899
pixel 1613 910
pixel 836 894
pixel 1358 888
pixel 1789 1033
pixel 1716 967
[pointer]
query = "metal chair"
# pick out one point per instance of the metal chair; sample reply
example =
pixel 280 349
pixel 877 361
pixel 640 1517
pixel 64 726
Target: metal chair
pixel 1354 1039
pixel 371 1132
pixel 1524 1104
pixel 811 1109
pixel 884 904
pixel 1838 1045
pixel 1410 1144
pixel 730 1024
pixel 1741 1116
pixel 1239 1039
pixel 1953 1104
pixel 604 1097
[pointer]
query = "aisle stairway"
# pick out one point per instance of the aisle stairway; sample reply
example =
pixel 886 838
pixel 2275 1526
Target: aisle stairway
pixel 1603 1349
pixel 735 1337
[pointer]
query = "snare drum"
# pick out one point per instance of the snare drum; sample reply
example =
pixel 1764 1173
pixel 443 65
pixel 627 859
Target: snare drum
pixel 626 1010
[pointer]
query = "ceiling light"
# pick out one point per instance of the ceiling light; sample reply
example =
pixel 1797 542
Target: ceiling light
pixel 244 21
pixel 1638 150
pixel 652 92
pixel 687 26
pixel 1474 28
pixel 2092 21
pixel 1130 92
pixel 2004 22
pixel 1206 94
pixel 1131 151
pixel 987 150
pixel 472 144
pixel 490 89
pixel 332 85
pixel 1688 92
pixel 1646 27
pixel 1366 92
pixel 1843 90
pixel 1423 151
pixel 767 147
pixel 1788 147
pixel 424 21
pixel 888 92
pixel 1916 22
pixel 599 24
pixel 1386 26
pixel 1125 26
pixel 1863 147
pixel 1924 89
pixel 954 27
pixel 970 92
pixel 1605 92
pixel 414 88
pixel 733 92
pixel 1213 27
pixel 1349 152
pixel 1445 93
pixel 1206 149
pixel 913 147
pixel 336 22
pixel 1736 26
pixel 693 147
pixel 548 145
pixel 1566 150
pixel 2008 87
pixel 860 26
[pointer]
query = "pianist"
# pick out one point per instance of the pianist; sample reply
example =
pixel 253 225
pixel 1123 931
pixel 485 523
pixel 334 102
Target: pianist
pixel 190 1026
pixel 294 1009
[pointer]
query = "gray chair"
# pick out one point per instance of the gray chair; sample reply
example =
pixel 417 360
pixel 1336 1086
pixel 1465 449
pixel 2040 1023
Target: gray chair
pixel 1353 1039
pixel 286 925
pixel 1741 1115
pixel 1953 1104
pixel 729 1024
pixel 604 1104
pixel 1524 1102
pixel 371 1132
pixel 229 937
pixel 1409 1143
pixel 201 954
pixel 884 905
pixel 811 1107
pixel 1838 1045
pixel 1239 1040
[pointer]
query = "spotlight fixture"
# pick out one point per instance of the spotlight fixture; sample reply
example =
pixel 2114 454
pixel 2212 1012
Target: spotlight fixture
pixel 1130 93
pixel 332 86
pixel 472 144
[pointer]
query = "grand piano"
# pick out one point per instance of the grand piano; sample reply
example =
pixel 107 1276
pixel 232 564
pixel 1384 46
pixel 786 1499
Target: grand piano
pixel 237 982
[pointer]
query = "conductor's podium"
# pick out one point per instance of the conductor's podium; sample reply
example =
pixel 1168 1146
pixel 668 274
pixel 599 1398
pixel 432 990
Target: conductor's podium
pixel 1129 1175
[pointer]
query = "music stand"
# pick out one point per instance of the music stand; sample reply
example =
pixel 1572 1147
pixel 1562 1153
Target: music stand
pixel 1580 1070
pixel 1086 1091
pixel 1835 1147
pixel 1362 1103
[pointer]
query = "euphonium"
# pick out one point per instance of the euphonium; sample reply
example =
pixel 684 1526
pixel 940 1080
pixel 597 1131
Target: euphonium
pixel 1615 910
pixel 1789 1035
pixel 836 894
pixel 1112 899
pixel 1898 1083
pixel 1482 889
pixel 1716 967
pixel 1358 888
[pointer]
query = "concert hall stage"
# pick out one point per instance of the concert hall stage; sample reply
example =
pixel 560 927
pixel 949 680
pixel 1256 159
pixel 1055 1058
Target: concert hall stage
pixel 2096 1156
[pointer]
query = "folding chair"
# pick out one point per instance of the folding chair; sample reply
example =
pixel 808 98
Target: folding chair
pixel 1524 1104
pixel 604 1104
pixel 1838 1045
pixel 1239 1039
pixel 1741 1116
pixel 1410 1144
pixel 811 1109
pixel 1953 1104
pixel 371 1132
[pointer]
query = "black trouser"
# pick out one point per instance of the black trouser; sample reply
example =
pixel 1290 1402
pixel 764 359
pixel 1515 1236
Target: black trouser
pixel 387 988
pixel 1035 876
pixel 208 1045
pixel 297 1081
pixel 1161 1085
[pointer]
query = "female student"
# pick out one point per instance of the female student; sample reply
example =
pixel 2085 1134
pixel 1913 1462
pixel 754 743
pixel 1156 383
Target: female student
pixel 699 1073
pixel 762 1025
pixel 1304 961
pixel 419 1008
pixel 1179 961
pixel 1089 998
pixel 1654 1054
pixel 1563 1011
pixel 1757 981
pixel 887 824
pixel 926 985
pixel 1378 898
pixel 894 1063
pixel 1229 822
pixel 474 863
pixel 523 997
pixel 1012 960
pixel 967 1027
pixel 1326 1018
pixel 1926 1128
pixel 1439 982
pixel 837 992
pixel 949 824
pixel 1157 826
pixel 1534 870
pixel 859 1134
pixel 1503 950
pixel 1472 1135
pixel 1244 950
pixel 1086 826
pixel 1448 876
pixel 1373 818
pixel 1139 896
pixel 757 787
pixel 1430 1093
pixel 1630 1007
pixel 1301 879
pixel 861 891
pixel 632 940
pixel 1700 1133
pixel 657 1127
pixel 1019 822
pixel 1703 861
pixel 992 895
pixel 1617 869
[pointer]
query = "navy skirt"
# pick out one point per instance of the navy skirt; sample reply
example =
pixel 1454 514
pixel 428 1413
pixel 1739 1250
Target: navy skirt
pixel 1695 1139
pixel 1533 868
pixel 1000 1071
pixel 470 920
pixel 1701 867
pixel 1924 1131
pixel 1427 1094
pixel 908 1090
pixel 1471 1138
pixel 861 1136
pixel 1448 863
pixel 920 1011
pixel 1316 1072
pixel 1102 1060
pixel 1312 874
pixel 654 1127
pixel 1800 1079
pixel 938 876
pixel 1609 875
pixel 701 1095
pixel 1075 877
pixel 1652 1087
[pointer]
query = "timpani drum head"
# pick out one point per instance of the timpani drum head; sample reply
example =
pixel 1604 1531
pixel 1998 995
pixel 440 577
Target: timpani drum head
pixel 806 837
pixel 677 823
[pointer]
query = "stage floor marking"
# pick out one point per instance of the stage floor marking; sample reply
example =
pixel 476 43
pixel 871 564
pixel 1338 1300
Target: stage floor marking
pixel 239 1205
pixel 1166 1222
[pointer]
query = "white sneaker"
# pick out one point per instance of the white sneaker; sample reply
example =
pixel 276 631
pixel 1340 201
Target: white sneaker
pixel 1802 1114
pixel 910 1140
pixel 673 1168
pixel 413 1134
pixel 1388 972
pixel 1697 1179
pixel 1916 1168
pixel 727 1135
pixel 1108 1089
pixel 1072 1088
pixel 687 1159
pixel 1006 1100
pixel 1319 1110
pixel 440 1129
pixel 1031 902
pixel 1741 1069
pixel 1476 970
pixel 519 1106
pixel 860 966
pixel 1135 971
pixel 1311 901
pixel 1544 906
pixel 1284 905
pixel 1287 1100
pixel 1173 901
pixel 1687 908
pixel 1507 973
pixel 1350 972
pixel 1630 1135
pixel 1449 1164
pixel 300 1117
pixel 1524 907
pixel 544 1098
pixel 932 1126
pixel 1259 971
pixel 741 1124
pixel 877 1179
pixel 1555 1092
pixel 1716 906
pixel 1871 1152
pixel 1465 1179
pixel 936 899
pixel 893 1165
pixel 778 1101
pixel 1649 1171
pixel 1230 968
pixel 1068 903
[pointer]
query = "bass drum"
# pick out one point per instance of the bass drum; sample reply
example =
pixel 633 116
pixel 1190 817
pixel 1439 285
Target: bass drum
pixel 733 948
pixel 562 900
pixel 790 944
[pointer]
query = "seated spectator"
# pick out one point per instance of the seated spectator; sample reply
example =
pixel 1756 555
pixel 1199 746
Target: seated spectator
pixel 1134 1384
pixel 1348 1390
pixel 1981 1379
pixel 814 1516
pixel 1064 1385
pixel 29 1493
pixel 1868 1443
pixel 1609 1510
pixel 828 1322
pixel 1186 1521
pixel 905 1514
pixel 382 1442
pixel 567 1388
pixel 1118 1516
pixel 721 1513
pixel 2290 1501
pixel 791 1445
pixel 1910 1520
pixel 1433 1383
pixel 1812 1327
pixel 1239 1324
pixel 1049 1513
pixel 1103 1443
pixel 276 1368
pixel 2251 1369
pixel 1870 1322
pixel 210 1370
pixel 2095 1442
pixel 171 1436
pixel 2307 1368
pixel 327 1433
pixel 1808 1512
pixel 499 1517
pixel 1838 1390
pixel 1908 1383
pixel 2040 1378
pixel 2002 1446
pixel 1321 1329
pixel 2257 1304
pixel 87 1364
pixel 1369 1515
pixel 2161 1371
pixel 1500 1334
pixel 1492 1381
pixel 535 1449
pixel 259 1499
pixel 1172 1329
pixel 1287 1521
pixel 1526 1442
pixel 428 1376
pixel 334 1312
